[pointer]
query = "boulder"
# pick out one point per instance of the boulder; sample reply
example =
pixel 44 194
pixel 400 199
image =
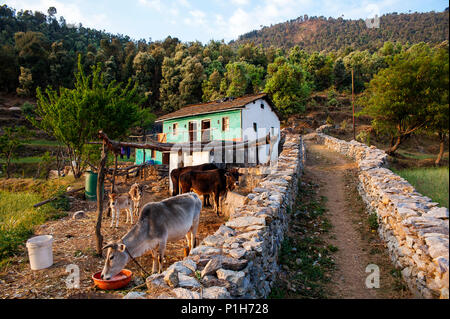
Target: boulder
pixel 216 293
pixel 171 277
pixel 183 293
pixel 187 281
pixel 211 267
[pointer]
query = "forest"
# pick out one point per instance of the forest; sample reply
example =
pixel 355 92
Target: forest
pixel 43 57
pixel 321 33
pixel 37 50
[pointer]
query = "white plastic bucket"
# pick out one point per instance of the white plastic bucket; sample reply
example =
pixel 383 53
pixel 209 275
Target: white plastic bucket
pixel 40 251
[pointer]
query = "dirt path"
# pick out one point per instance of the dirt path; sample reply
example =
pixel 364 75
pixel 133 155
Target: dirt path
pixel 358 245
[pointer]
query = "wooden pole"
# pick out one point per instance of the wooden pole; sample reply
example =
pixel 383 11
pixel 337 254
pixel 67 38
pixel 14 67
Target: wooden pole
pixel 353 106
pixel 100 179
pixel 114 174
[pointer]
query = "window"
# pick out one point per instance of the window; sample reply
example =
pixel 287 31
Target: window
pixel 175 129
pixel 225 123
pixel 255 127
pixel 262 106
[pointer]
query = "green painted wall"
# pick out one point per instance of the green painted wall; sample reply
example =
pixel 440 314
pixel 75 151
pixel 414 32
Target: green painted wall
pixel 183 136
pixel 148 156
pixel 216 126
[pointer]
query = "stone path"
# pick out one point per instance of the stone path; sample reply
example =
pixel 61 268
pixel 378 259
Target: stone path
pixel 358 246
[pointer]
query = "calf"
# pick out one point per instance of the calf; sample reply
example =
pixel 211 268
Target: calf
pixel 216 182
pixel 117 203
pixel 136 195
pixel 159 222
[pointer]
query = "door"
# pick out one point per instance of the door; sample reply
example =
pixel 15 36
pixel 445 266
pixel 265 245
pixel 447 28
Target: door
pixel 206 130
pixel 192 131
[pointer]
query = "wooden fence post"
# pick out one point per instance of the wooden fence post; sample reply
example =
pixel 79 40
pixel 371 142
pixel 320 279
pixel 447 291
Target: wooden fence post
pixel 100 179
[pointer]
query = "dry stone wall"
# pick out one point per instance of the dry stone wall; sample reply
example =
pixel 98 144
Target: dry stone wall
pixel 240 259
pixel 415 229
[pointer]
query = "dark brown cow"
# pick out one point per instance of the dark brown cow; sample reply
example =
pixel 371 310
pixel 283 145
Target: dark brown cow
pixel 216 182
pixel 175 175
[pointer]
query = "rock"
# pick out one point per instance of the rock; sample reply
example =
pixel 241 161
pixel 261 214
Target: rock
pixel 225 231
pixel 205 250
pixel 233 264
pixel 237 253
pixel 189 263
pixel 183 293
pixel 437 246
pixel 134 295
pixel 79 215
pixel 235 277
pixel 180 267
pixel 216 293
pixel 213 240
pixel 187 281
pixel 171 277
pixel 211 267
pixel 156 280
pixel 245 222
pixel 441 212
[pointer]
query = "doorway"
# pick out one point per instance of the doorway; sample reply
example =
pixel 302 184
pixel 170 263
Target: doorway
pixel 206 130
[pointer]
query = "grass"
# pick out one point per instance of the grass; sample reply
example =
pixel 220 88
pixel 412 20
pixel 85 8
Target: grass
pixel 304 254
pixel 431 182
pixel 41 142
pixel 18 218
pixel 24 160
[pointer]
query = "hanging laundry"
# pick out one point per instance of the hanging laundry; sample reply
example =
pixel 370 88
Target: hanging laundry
pixel 122 152
pixel 128 151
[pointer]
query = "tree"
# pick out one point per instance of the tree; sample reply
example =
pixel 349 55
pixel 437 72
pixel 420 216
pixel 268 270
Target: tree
pixel 438 109
pixel 74 116
pixel 401 97
pixel 287 85
pixel 10 140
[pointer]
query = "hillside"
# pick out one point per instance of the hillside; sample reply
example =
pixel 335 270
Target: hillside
pixel 320 33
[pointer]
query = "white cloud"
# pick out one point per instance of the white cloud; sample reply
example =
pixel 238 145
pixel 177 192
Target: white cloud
pixel 152 4
pixel 72 12
pixel 240 2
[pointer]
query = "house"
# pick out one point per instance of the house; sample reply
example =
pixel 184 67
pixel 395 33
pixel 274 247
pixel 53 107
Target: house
pixel 239 119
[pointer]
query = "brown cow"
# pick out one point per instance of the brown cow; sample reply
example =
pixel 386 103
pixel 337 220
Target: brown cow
pixel 216 182
pixel 175 175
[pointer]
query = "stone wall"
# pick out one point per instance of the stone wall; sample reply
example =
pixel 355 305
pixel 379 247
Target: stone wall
pixel 414 229
pixel 240 259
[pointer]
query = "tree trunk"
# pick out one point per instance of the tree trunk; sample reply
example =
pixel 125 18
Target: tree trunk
pixel 441 148
pixel 100 179
pixel 391 150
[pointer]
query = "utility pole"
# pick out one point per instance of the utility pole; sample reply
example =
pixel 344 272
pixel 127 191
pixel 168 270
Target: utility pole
pixel 353 106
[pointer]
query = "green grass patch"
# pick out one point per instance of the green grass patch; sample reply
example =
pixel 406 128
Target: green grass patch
pixel 38 142
pixel 431 182
pixel 304 254
pixel 24 160
pixel 18 217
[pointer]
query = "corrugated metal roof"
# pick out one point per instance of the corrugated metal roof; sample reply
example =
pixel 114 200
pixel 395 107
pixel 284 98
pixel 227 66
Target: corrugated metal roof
pixel 212 107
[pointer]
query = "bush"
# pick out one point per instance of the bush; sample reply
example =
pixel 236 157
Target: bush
pixel 329 120
pixel 363 137
pixel 373 221
pixel 333 102
pixel 28 109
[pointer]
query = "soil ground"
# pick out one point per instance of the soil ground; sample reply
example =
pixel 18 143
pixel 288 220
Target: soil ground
pixel 358 245
pixel 74 243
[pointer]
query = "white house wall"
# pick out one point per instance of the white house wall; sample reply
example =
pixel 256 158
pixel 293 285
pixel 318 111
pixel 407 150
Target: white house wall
pixel 265 118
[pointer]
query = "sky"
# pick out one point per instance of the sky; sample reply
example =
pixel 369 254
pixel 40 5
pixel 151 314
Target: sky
pixel 204 20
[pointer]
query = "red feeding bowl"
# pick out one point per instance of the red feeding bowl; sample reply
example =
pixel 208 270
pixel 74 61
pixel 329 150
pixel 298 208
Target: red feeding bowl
pixel 118 281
